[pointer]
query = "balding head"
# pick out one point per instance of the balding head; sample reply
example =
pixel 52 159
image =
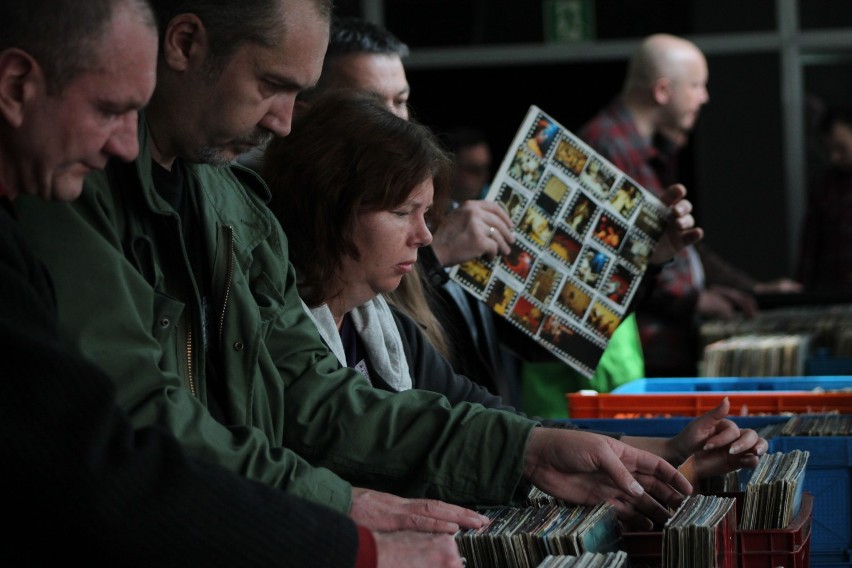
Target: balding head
pixel 661 56
pixel 667 81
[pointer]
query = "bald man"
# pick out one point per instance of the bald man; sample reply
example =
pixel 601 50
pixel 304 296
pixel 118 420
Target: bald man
pixel 641 132
pixel 666 85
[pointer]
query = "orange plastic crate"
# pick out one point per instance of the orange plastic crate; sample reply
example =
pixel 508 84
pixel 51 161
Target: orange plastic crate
pixel 690 404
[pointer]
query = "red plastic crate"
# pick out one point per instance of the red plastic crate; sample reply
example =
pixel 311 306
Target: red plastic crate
pixel 789 547
pixel 790 539
pixel 644 549
pixel 605 405
pixel 799 558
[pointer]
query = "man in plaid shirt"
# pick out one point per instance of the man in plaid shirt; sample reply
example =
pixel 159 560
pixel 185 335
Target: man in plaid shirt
pixel 641 132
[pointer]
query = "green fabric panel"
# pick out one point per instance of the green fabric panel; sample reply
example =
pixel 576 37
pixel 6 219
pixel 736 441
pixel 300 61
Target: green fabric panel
pixel 544 384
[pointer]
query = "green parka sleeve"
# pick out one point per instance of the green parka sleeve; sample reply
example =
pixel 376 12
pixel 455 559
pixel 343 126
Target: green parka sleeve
pixel 296 419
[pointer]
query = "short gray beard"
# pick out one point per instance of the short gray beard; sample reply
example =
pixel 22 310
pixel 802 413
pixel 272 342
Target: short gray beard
pixel 216 156
pixel 213 156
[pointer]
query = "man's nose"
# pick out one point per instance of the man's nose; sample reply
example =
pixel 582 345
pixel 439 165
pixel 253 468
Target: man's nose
pixel 279 117
pixel 123 142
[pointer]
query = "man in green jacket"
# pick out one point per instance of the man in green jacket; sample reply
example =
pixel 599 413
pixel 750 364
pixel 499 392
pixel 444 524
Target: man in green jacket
pixel 174 277
pixel 72 77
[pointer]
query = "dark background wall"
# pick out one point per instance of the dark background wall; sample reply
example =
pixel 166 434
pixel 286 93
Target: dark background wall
pixel 734 165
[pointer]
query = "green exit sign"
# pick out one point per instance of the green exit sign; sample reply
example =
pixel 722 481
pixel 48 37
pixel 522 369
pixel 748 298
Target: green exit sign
pixel 567 21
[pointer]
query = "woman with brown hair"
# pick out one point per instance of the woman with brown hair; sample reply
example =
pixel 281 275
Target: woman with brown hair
pixel 355 187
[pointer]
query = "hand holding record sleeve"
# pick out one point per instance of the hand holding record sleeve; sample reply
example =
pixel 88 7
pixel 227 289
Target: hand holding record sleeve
pixel 680 231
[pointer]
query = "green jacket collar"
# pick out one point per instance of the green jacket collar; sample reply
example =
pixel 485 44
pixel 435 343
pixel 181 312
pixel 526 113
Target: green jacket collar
pixel 222 188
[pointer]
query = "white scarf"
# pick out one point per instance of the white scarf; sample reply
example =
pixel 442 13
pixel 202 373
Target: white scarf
pixel 377 329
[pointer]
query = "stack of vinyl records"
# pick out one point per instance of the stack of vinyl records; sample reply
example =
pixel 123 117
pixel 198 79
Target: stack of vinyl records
pixel 521 537
pixel 701 534
pixel 774 492
pixel 823 424
pixel 587 560
pixel 538 498
pixel 725 483
pixel 757 356
pixel 829 326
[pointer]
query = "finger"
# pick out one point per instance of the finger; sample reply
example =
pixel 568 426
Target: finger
pixel 746 441
pixel 683 222
pixel 432 510
pixel 630 517
pixel 612 466
pixel 652 465
pixel 714 421
pixel 449 512
pixel 426 524
pixel 720 411
pixel 728 433
pixel 498 239
pixel 501 246
pixel 505 230
pixel 691 236
pixel 490 247
pixel 500 222
pixel 652 509
pixel 659 492
pixel 682 208
pixel 502 235
pixel 497 210
pixel 744 302
pixel 748 461
pixel 716 462
pixel 673 194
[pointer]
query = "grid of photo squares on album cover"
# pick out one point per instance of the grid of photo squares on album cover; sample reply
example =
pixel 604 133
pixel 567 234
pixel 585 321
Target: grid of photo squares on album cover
pixel 584 234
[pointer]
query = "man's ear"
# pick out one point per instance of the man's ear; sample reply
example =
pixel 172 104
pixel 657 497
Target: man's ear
pixel 21 79
pixel 662 91
pixel 185 42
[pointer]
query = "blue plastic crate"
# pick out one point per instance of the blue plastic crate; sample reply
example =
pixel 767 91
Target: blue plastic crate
pixel 822 363
pixel 665 427
pixel 831 560
pixel 736 384
pixel 828 476
pixel 828 479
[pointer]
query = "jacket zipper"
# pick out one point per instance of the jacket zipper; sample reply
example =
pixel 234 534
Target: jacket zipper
pixel 229 272
pixel 189 360
pixel 225 297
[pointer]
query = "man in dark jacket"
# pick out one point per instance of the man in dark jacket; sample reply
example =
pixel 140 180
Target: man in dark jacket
pixel 81 481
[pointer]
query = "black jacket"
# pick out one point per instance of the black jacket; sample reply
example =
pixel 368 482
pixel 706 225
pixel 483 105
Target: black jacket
pixel 82 483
